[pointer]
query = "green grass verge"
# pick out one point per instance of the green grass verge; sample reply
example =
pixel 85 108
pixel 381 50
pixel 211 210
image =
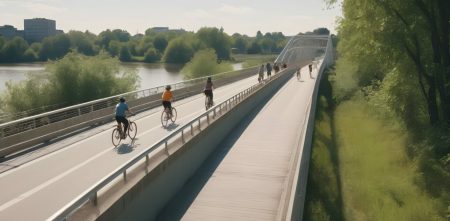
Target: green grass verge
pixel 360 170
pixel 379 179
pixel 251 60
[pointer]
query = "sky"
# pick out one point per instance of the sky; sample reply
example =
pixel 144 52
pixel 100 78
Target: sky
pixel 235 16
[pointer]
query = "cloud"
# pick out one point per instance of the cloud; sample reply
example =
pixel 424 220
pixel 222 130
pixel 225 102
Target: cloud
pixel 239 10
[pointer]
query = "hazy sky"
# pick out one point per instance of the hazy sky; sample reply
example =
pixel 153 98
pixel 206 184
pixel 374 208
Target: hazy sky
pixel 135 16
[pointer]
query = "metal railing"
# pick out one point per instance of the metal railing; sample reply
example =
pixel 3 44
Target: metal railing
pixel 22 133
pixel 181 133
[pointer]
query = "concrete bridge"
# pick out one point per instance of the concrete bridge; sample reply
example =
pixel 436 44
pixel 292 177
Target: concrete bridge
pixel 246 158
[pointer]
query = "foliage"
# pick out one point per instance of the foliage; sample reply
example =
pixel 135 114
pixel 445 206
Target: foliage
pixel 152 55
pixel 204 63
pixel 178 51
pixel 216 39
pixel 124 54
pixel 398 56
pixel 13 50
pixel 160 43
pixel 82 42
pixel 54 47
pixel 71 80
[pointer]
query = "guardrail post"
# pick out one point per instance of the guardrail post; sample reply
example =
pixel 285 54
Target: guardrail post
pixel 214 111
pixel 182 136
pixel 94 199
pixel 165 147
pixel 199 127
pixel 125 175
pixel 207 118
pixel 192 129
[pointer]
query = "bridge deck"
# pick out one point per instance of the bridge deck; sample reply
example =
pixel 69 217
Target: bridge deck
pixel 34 189
pixel 247 177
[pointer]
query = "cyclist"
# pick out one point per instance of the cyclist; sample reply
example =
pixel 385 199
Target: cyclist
pixel 208 90
pixel 121 108
pixel 167 98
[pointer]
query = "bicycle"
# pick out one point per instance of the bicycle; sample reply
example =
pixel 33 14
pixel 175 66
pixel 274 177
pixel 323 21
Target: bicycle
pixel 117 133
pixel 166 116
pixel 208 102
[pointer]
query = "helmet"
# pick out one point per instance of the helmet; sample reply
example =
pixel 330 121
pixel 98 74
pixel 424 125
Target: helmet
pixel 209 79
pixel 168 87
pixel 122 99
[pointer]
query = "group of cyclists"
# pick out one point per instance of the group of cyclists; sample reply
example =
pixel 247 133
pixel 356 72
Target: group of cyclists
pixel 167 98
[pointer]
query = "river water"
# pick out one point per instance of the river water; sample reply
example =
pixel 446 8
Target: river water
pixel 151 75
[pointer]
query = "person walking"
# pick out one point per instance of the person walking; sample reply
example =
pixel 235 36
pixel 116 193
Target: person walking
pixel 269 70
pixel 261 73
pixel 310 70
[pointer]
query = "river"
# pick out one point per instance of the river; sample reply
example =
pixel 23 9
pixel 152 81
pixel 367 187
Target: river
pixel 151 74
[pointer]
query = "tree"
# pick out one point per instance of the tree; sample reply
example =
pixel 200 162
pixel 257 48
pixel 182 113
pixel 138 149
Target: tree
pixel 254 48
pixel 152 55
pixel 160 43
pixel 81 42
pixel 217 40
pixel 71 80
pixel 124 54
pixel 178 51
pixel 204 63
pixel 54 47
pixel 418 32
pixel 321 31
pixel 240 43
pixel 14 49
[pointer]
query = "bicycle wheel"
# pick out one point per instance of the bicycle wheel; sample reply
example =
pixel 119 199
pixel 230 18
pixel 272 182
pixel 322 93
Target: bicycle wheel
pixel 116 137
pixel 207 102
pixel 132 130
pixel 164 118
pixel 174 115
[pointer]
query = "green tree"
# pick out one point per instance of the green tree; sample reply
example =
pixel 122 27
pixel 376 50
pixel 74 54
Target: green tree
pixel 114 48
pixel 160 43
pixel 240 42
pixel 152 55
pixel 71 80
pixel 254 48
pixel 124 54
pixel 204 63
pixel 217 40
pixel 81 42
pixel 14 49
pixel 178 51
pixel 54 47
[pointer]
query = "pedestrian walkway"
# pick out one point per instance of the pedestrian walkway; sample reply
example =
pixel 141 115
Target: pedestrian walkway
pixel 247 177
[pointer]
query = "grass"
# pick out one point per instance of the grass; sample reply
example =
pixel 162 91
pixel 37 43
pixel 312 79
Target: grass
pixel 360 169
pixel 251 60
pixel 379 180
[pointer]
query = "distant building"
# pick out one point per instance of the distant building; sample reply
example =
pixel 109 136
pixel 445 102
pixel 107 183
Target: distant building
pixel 37 29
pixel 166 29
pixel 9 31
pixel 160 29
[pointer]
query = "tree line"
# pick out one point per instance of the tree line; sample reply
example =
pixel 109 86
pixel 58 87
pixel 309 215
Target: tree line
pixel 169 47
